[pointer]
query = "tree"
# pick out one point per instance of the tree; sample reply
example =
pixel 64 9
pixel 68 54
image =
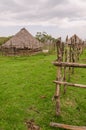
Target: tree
pixel 47 40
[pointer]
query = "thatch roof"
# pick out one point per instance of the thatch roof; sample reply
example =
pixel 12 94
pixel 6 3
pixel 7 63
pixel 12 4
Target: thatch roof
pixel 23 39
pixel 74 39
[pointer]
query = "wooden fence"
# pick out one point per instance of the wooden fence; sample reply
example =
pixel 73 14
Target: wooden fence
pixel 67 59
pixel 68 55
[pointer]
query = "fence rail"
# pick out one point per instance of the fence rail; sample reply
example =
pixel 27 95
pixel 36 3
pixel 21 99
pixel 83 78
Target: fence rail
pixel 68 55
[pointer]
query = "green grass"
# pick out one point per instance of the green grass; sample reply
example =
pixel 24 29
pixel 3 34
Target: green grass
pixel 23 82
pixel 4 39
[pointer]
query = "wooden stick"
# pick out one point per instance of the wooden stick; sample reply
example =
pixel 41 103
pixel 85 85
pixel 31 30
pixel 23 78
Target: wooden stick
pixel 68 127
pixel 65 64
pixel 57 93
pixel 70 84
pixel 69 61
pixel 65 59
pixel 57 98
pixel 64 79
pixel 73 53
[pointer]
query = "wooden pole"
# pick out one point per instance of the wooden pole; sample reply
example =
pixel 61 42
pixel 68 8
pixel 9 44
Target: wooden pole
pixel 64 78
pixel 63 64
pixel 69 61
pixel 68 127
pixel 70 84
pixel 65 59
pixel 57 93
pixel 73 53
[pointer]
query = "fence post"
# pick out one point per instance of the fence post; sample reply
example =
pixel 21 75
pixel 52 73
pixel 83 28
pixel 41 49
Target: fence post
pixel 57 93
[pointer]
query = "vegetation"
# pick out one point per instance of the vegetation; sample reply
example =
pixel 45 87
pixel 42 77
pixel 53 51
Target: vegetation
pixel 4 39
pixel 44 37
pixel 26 90
pixel 47 40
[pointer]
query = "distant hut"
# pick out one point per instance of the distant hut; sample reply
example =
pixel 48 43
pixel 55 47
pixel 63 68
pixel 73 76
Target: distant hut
pixel 23 43
pixel 75 40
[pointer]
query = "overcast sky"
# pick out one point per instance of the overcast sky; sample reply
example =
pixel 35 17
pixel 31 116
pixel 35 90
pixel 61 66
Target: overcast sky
pixel 56 17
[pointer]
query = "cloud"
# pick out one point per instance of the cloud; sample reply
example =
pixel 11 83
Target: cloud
pixel 63 14
pixel 39 11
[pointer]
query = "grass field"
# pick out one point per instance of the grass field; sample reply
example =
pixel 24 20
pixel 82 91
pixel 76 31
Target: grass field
pixel 23 83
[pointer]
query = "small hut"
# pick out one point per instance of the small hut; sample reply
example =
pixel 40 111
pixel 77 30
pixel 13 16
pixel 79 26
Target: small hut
pixel 23 43
pixel 76 42
pixel 74 39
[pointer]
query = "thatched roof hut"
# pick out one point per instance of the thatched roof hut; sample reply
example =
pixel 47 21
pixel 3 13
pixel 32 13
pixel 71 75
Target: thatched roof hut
pixel 75 42
pixel 74 39
pixel 23 41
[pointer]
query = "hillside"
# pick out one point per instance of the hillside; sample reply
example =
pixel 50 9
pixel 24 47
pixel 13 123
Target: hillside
pixel 4 39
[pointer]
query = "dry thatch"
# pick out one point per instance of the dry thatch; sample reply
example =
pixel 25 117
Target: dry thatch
pixel 74 39
pixel 23 39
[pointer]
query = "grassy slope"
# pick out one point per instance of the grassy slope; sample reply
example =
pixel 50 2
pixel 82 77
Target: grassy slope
pixel 23 80
pixel 4 39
